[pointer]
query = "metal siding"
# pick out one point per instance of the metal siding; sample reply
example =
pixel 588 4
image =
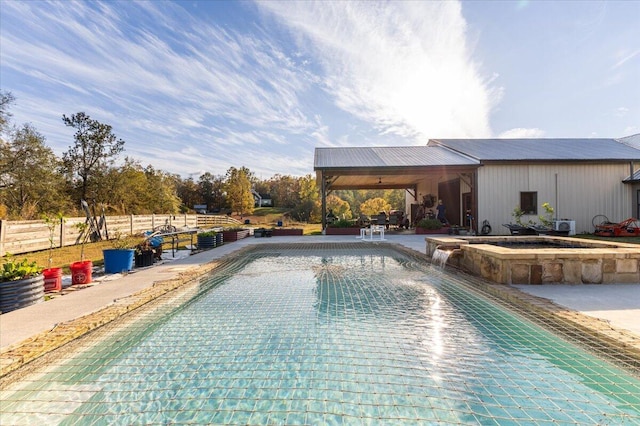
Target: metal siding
pixel 584 191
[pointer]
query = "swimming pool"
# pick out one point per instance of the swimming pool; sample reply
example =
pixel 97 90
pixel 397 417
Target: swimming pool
pixel 333 335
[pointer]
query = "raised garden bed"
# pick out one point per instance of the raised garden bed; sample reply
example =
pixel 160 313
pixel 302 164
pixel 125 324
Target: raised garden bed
pixel 423 231
pixel 342 231
pixel 283 232
pixel 230 236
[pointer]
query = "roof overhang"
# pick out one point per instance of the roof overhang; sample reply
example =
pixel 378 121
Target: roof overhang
pixel 386 167
pixel 384 177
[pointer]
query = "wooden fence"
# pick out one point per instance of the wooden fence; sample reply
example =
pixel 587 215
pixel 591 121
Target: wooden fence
pixel 24 236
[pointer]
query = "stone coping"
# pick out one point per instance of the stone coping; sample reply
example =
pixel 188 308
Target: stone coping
pixel 587 248
pixel 615 344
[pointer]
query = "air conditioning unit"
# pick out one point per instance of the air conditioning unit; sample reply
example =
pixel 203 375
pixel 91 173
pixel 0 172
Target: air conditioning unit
pixel 564 225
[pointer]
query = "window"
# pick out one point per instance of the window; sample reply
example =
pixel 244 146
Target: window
pixel 529 202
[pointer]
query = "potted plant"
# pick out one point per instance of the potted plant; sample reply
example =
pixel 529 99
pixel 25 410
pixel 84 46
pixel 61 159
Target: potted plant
pixel 81 271
pixel 430 226
pixel 21 284
pixel 52 276
pixel 120 257
pixel 144 253
pixel 520 228
pixel 546 223
pixel 207 240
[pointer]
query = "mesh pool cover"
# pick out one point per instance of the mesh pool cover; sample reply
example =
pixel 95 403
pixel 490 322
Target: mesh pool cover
pixel 335 336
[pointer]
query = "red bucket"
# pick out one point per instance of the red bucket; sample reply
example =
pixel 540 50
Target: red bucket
pixel 81 272
pixel 52 279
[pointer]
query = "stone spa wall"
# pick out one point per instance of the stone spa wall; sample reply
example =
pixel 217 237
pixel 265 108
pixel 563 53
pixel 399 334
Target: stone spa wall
pixel 586 262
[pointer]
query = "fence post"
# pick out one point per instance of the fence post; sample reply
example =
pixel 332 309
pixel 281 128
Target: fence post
pixel 131 224
pixel 3 226
pixel 61 232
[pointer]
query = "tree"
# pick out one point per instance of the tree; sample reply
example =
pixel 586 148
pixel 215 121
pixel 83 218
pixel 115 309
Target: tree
pixel 188 192
pixel 133 189
pixel 308 208
pixel 339 207
pixel 125 189
pixel 284 191
pixel 95 148
pixel 238 187
pixel 212 191
pixel 6 99
pixel 29 180
pixel 373 206
pixel 161 192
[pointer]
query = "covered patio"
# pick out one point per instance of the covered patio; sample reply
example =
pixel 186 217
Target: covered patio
pixel 420 170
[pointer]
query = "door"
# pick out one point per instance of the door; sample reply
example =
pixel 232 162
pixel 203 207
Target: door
pixel 449 193
pixel 466 207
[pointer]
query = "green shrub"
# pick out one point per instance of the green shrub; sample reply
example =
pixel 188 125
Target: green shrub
pixel 13 270
pixel 342 223
pixel 208 234
pixel 430 224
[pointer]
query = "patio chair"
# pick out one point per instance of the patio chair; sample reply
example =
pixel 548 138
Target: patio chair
pixel 393 221
pixel 382 220
pixel 364 220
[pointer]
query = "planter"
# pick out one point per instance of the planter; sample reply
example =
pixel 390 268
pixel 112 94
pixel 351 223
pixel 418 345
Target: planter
pixel 81 272
pixel 219 239
pixel 342 231
pixel 206 242
pixel 229 236
pixel 118 260
pixel 516 229
pixel 21 293
pixel 281 232
pixel 143 258
pixel 261 232
pixel 424 231
pixel 52 279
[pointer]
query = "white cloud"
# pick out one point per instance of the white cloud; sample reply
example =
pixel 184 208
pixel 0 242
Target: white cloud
pixel 181 90
pixel 621 112
pixel 625 56
pixel 522 133
pixel 403 66
pixel 185 83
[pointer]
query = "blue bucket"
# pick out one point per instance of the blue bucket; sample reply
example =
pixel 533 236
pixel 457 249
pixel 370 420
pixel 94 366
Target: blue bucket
pixel 118 260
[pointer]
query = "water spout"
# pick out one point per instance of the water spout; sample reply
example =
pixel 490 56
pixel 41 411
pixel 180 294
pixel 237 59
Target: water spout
pixel 440 257
pixel 442 254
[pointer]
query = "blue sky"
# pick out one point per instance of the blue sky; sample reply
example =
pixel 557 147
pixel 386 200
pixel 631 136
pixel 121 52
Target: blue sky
pixel 196 86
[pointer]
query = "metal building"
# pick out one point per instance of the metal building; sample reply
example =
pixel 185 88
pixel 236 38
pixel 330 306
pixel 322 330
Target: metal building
pixel 486 179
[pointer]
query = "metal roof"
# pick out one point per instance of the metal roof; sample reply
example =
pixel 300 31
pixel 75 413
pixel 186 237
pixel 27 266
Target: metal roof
pixel 541 149
pixel 384 157
pixel 633 140
pixel 633 178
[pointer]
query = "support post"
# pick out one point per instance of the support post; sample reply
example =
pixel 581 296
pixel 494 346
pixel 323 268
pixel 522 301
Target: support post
pixel 324 201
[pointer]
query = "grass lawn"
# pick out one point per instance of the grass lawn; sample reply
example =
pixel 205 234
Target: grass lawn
pixel 627 240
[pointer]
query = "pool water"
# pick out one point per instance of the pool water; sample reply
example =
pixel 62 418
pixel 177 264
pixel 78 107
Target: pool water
pixel 335 336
